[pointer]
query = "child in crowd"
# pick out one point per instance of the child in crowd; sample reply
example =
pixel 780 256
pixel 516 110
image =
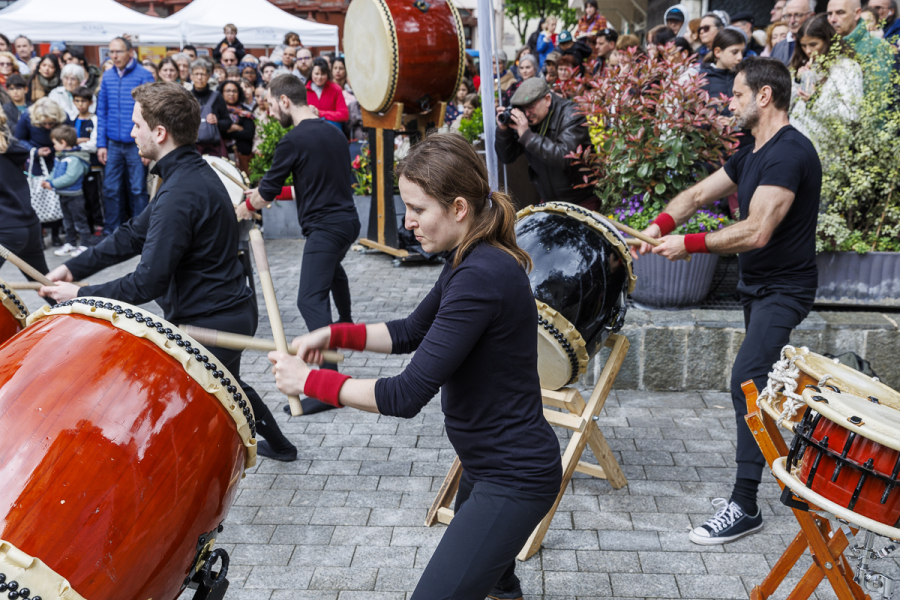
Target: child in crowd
pixel 471 103
pixel 68 175
pixel 17 87
pixel 86 128
pixel 229 41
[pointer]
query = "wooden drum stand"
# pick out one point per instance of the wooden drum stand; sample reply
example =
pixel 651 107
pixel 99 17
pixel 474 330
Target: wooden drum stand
pixel 826 545
pixel 383 128
pixel 580 418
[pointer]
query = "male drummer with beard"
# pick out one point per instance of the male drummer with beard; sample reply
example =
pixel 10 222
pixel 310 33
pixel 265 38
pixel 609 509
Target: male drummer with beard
pixel 315 152
pixel 778 179
pixel 188 241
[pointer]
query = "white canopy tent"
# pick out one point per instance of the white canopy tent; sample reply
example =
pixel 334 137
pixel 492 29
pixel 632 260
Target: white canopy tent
pixel 83 22
pixel 259 23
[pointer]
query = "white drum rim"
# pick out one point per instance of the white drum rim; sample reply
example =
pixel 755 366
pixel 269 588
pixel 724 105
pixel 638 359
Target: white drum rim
pixel 821 502
pixel 595 222
pixel 15 305
pixel 390 28
pixel 194 369
pixel 570 335
pixel 840 407
pixel 845 378
pixel 461 38
pixel 210 159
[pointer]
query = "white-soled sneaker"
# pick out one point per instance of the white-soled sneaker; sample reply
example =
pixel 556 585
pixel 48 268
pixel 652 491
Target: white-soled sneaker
pixel 78 251
pixel 728 524
pixel 66 250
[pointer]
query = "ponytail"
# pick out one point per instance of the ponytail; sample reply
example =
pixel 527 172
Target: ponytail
pixel 447 167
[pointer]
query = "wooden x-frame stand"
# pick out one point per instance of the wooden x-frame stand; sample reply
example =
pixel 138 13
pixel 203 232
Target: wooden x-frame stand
pixel 825 544
pixel 579 417
pixel 383 128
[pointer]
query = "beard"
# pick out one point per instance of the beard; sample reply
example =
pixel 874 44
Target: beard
pixel 149 150
pixel 284 119
pixel 749 118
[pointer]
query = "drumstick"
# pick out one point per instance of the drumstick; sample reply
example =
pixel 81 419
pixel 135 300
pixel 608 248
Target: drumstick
pixel 637 234
pixel 235 341
pixel 34 285
pixel 25 267
pixel 236 181
pixel 265 280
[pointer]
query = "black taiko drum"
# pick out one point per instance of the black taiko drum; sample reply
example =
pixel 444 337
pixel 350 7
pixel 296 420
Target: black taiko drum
pixel 582 274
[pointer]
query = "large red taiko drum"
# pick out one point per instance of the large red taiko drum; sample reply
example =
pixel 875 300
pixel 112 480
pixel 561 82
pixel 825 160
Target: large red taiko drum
pixel 404 51
pixel 124 446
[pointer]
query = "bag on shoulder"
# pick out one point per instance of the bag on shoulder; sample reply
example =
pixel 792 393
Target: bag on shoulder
pixel 209 134
pixel 45 202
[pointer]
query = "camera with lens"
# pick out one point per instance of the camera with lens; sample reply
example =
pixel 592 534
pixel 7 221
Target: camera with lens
pixel 505 117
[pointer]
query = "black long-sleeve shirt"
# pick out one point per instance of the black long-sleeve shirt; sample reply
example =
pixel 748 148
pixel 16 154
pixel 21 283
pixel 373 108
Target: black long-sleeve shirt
pixel 475 337
pixel 188 242
pixel 316 152
pixel 15 198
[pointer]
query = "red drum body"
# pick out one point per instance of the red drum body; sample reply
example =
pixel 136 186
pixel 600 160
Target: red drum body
pixel 117 460
pixel 12 319
pixel 404 51
pixel 847 468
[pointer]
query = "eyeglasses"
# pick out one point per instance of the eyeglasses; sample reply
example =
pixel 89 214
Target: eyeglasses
pixel 305 58
pixel 879 9
pixel 705 28
pixel 793 16
pixel 5 64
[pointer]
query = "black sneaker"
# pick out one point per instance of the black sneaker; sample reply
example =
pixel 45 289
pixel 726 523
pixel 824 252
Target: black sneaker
pixel 729 523
pixel 506 590
pixel 263 448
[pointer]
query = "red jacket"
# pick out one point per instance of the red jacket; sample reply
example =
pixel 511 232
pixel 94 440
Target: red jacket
pixel 331 105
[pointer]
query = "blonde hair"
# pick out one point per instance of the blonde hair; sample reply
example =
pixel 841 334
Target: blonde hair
pixel 13 59
pixel 46 110
pixel 4 133
pixel 771 28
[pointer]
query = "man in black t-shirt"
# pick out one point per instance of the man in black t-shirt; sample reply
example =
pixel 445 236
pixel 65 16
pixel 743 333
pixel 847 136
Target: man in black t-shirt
pixel 778 180
pixel 315 152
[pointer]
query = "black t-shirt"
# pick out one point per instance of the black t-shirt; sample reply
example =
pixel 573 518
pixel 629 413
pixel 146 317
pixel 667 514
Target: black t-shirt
pixel 316 152
pixel 788 160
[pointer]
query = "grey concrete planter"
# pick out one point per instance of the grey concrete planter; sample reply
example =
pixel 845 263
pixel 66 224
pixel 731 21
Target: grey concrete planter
pixel 280 222
pixel 851 279
pixel 362 209
pixel 662 283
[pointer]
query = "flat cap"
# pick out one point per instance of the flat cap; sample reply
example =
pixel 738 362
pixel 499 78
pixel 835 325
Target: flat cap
pixel 530 90
pixel 743 16
pixel 553 57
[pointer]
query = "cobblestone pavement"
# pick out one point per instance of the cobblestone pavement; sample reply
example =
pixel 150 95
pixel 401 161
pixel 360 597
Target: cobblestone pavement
pixel 345 521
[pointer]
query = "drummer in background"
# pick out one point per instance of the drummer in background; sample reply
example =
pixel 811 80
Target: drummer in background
pixel 545 128
pixel 187 240
pixel 778 180
pixel 474 340
pixel 315 152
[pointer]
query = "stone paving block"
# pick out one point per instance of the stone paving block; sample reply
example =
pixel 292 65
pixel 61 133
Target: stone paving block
pixel 384 557
pixel 711 586
pixel 361 536
pixel 353 595
pixel 628 540
pixel 258 481
pixel 322 556
pixel 343 578
pixel 279 578
pixel 302 534
pixel 374 499
pixel 647 458
pixel 334 467
pixel 261 554
pixel 300 482
pixel 619 521
pixel 404 484
pixel 241 515
pixel 561 583
pixel 397 580
pixel 365 454
pixel 324 515
pixel 349 482
pixel 237 594
pixel 640 585
pixel 605 561
pixel 303 595
pixel 677 541
pixel 673 562
pixel 671 473
pixel 392 517
pixel 730 563
pixel 660 521
pixel 319 498
pixel 251 497
pixel 246 534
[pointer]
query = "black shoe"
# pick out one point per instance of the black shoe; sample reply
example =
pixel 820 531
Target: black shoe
pixel 728 524
pixel 506 590
pixel 57 242
pixel 310 406
pixel 287 454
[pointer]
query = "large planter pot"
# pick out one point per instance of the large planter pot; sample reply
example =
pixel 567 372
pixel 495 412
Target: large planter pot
pixel 662 283
pixel 851 279
pixel 362 209
pixel 280 222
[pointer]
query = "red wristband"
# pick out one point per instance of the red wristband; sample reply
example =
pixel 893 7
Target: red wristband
pixel 665 222
pixel 325 385
pixel 351 336
pixel 250 207
pixel 287 193
pixel 696 243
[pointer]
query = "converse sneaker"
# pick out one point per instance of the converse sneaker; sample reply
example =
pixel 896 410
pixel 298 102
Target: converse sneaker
pixel 66 250
pixel 506 590
pixel 78 251
pixel 729 523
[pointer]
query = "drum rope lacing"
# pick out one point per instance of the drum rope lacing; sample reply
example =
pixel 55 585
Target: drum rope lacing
pixel 783 380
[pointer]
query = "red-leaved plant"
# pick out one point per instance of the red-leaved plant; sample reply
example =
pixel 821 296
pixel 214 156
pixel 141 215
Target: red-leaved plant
pixel 652 127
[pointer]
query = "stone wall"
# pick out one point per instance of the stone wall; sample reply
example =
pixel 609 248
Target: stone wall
pixel 694 349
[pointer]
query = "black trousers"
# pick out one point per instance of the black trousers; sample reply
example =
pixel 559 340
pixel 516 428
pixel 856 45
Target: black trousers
pixel 769 319
pixel 25 242
pixel 321 272
pixel 243 321
pixel 479 548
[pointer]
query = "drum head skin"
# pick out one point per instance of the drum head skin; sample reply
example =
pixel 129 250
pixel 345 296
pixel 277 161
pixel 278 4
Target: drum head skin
pixel 372 53
pixel 848 379
pixel 234 190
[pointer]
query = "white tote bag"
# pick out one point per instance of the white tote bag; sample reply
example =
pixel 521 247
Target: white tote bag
pixel 45 202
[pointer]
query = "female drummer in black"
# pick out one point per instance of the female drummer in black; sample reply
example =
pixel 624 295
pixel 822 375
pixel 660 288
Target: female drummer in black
pixel 475 339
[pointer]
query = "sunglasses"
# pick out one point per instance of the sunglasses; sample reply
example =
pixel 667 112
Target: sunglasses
pixel 705 28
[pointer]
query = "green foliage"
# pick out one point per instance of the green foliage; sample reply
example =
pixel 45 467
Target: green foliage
pixel 362 172
pixel 652 127
pixel 860 208
pixel 521 11
pixel 270 133
pixel 473 127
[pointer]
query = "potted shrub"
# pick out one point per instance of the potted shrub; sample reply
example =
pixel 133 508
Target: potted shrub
pixel 281 221
pixel 655 132
pixel 858 238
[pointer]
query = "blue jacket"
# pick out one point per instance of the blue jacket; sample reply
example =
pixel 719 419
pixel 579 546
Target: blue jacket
pixel 69 171
pixel 35 136
pixel 115 104
pixel 544 47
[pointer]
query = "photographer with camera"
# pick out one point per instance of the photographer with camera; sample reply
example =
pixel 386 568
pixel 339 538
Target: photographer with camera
pixel 545 127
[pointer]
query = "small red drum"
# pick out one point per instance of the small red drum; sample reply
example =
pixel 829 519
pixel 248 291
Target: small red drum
pixel 845 458
pixel 12 320
pixel 124 446
pixel 404 51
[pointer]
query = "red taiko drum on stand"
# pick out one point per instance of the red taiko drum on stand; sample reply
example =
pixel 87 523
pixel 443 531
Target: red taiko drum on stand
pixel 12 320
pixel 404 51
pixel 124 446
